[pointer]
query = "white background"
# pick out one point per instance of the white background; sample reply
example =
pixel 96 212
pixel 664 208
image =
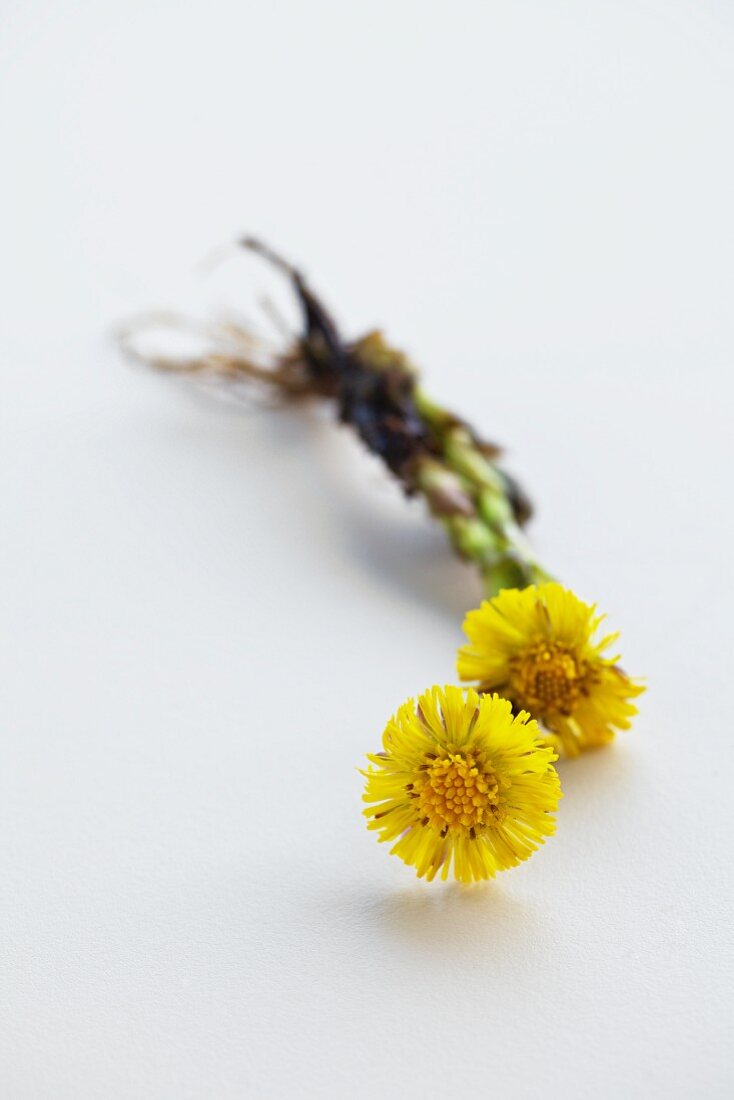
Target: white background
pixel 210 609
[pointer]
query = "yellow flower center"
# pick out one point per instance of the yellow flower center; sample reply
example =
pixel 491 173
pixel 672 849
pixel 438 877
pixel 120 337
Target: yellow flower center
pixel 459 791
pixel 548 678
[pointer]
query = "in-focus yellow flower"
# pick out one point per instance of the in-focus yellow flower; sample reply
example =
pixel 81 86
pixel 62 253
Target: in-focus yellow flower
pixel 461 779
pixel 537 647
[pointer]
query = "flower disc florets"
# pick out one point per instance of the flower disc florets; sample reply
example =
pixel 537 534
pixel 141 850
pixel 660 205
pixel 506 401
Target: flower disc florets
pixel 459 790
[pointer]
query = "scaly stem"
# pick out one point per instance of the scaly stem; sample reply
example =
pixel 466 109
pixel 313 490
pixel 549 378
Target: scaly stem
pixel 486 530
pixel 433 453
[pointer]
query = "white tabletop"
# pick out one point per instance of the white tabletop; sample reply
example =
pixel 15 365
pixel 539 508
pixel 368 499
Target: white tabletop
pixel 210 608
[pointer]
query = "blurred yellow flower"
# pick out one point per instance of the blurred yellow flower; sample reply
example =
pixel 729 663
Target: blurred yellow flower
pixel 462 780
pixel 537 647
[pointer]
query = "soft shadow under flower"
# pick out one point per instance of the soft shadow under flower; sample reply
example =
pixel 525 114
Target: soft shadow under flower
pixel 461 920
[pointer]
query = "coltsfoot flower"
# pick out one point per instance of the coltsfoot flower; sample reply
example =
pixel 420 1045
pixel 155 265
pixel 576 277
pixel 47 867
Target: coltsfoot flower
pixel 463 780
pixel 537 646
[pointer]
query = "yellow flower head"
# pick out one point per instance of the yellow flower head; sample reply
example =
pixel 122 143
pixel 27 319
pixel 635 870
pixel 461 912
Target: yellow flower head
pixel 462 779
pixel 537 647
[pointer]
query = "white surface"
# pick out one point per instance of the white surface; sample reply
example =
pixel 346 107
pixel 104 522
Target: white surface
pixel 209 611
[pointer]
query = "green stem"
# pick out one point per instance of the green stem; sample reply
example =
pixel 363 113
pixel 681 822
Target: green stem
pixel 467 492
